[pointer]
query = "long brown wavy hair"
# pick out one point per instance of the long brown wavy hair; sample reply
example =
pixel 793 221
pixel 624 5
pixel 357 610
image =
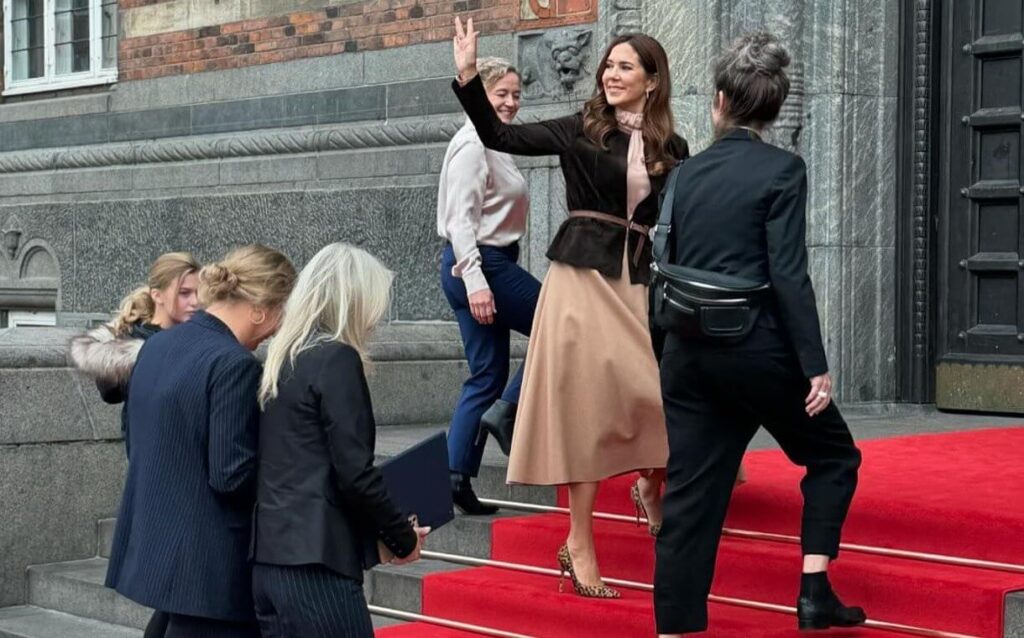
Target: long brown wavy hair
pixel 599 116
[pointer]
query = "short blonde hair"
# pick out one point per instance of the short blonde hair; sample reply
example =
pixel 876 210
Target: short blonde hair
pixel 341 295
pixel 138 307
pixel 255 274
pixel 493 69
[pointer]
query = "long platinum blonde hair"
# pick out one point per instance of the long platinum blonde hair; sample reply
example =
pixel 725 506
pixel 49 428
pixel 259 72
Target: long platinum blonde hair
pixel 341 295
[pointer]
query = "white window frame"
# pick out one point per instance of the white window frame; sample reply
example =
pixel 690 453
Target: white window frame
pixel 50 81
pixel 31 318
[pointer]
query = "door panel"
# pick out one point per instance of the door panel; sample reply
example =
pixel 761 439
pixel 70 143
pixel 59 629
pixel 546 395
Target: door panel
pixel 981 287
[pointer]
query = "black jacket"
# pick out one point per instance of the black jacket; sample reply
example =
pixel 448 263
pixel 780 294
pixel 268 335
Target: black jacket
pixel 595 179
pixel 320 496
pixel 740 210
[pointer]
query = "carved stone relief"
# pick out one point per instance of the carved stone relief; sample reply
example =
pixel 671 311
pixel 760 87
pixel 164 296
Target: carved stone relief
pixel 556 63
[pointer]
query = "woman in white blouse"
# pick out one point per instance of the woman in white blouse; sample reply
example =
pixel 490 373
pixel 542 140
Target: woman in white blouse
pixel 482 203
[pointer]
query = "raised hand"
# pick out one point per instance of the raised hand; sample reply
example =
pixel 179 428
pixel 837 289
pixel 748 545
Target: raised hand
pixel 465 49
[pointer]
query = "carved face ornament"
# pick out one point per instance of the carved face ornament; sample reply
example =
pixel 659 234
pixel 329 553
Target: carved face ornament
pixel 567 54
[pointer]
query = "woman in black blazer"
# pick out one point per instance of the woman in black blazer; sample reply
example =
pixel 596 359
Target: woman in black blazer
pixel 320 497
pixel 739 209
pixel 182 539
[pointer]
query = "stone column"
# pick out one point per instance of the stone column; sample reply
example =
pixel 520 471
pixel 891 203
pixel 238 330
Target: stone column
pixel 690 32
pixel 785 18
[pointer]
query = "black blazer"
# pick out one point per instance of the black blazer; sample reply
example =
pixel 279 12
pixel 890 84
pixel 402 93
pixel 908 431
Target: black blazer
pixel 740 210
pixel 595 179
pixel 319 494
pixel 182 538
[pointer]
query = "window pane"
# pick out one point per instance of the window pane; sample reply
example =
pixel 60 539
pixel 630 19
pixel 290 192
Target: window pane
pixel 72 26
pixel 27 40
pixel 109 20
pixel 27 64
pixel 72 57
pixel 27 9
pixel 110 52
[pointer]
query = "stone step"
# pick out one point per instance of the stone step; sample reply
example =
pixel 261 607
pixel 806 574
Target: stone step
pixel 35 622
pixel 76 588
pixel 401 587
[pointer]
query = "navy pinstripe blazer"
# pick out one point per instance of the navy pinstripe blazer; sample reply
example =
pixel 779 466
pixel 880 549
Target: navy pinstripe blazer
pixel 182 538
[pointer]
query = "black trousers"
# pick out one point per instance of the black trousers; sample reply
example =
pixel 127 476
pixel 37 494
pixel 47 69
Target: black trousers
pixel 716 397
pixel 179 626
pixel 309 601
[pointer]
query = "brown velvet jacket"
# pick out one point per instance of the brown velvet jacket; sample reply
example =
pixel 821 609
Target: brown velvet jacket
pixel 595 180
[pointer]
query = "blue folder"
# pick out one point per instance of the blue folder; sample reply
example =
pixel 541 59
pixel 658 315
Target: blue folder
pixel 417 480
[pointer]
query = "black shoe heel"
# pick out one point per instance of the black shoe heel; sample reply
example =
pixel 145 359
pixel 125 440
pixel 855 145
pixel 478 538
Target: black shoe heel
pixel 498 421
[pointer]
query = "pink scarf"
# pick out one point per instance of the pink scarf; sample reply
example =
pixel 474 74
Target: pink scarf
pixel 638 183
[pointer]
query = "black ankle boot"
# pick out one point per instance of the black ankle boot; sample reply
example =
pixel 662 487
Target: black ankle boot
pixel 819 608
pixel 498 421
pixel 465 498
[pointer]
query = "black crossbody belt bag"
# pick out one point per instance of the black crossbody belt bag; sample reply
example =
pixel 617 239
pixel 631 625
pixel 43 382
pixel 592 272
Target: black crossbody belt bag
pixel 699 304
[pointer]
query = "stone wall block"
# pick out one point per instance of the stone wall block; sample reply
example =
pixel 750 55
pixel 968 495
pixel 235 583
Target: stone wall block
pixel 41 406
pixel 172 90
pixel 689 31
pixel 872 55
pixel 693 120
pixel 91 180
pixel 260 170
pixel 175 175
pixel 433 60
pixel 825 266
pixel 825 50
pixel 823 150
pixel 538 234
pixel 414 253
pixel 869 350
pixel 870 171
pixel 65 487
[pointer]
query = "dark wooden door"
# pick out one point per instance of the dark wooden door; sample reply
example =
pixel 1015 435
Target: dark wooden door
pixel 981 236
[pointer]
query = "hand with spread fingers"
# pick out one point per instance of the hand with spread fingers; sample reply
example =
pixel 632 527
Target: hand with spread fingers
pixel 820 395
pixel 465 49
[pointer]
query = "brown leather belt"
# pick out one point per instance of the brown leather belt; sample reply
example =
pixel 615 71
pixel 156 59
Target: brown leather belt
pixel 628 224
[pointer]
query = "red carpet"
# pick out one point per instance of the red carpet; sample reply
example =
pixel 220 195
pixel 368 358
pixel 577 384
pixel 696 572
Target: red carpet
pixel 956 494
pixel 953 494
pixel 422 630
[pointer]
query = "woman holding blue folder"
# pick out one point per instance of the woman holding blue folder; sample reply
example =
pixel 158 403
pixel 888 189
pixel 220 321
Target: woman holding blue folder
pixel 319 493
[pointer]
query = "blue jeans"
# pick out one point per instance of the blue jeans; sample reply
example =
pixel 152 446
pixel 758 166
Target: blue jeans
pixel 487 347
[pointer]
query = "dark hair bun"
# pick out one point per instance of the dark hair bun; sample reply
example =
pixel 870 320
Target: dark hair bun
pixel 760 52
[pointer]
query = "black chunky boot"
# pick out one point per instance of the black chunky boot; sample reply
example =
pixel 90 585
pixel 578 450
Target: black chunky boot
pixel 465 498
pixel 498 421
pixel 819 608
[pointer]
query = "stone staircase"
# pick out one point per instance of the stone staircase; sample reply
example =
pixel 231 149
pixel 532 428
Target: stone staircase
pixel 68 599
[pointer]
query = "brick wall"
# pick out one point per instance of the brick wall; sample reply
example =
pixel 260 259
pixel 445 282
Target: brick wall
pixel 356 26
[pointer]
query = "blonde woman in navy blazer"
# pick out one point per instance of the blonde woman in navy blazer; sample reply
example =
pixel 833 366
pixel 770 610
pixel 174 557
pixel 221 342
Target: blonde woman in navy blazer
pixel 182 539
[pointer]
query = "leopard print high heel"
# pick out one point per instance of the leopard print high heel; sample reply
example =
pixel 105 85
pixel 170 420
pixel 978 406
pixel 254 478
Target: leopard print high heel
pixel 641 511
pixel 587 591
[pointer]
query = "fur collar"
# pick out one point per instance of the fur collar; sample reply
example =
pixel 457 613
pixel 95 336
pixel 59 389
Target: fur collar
pixel 100 354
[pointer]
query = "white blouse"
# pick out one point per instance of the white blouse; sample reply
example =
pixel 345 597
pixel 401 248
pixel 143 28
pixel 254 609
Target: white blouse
pixel 482 199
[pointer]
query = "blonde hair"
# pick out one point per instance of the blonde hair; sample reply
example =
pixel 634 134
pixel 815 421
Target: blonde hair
pixel 341 295
pixel 253 274
pixel 493 69
pixel 139 307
